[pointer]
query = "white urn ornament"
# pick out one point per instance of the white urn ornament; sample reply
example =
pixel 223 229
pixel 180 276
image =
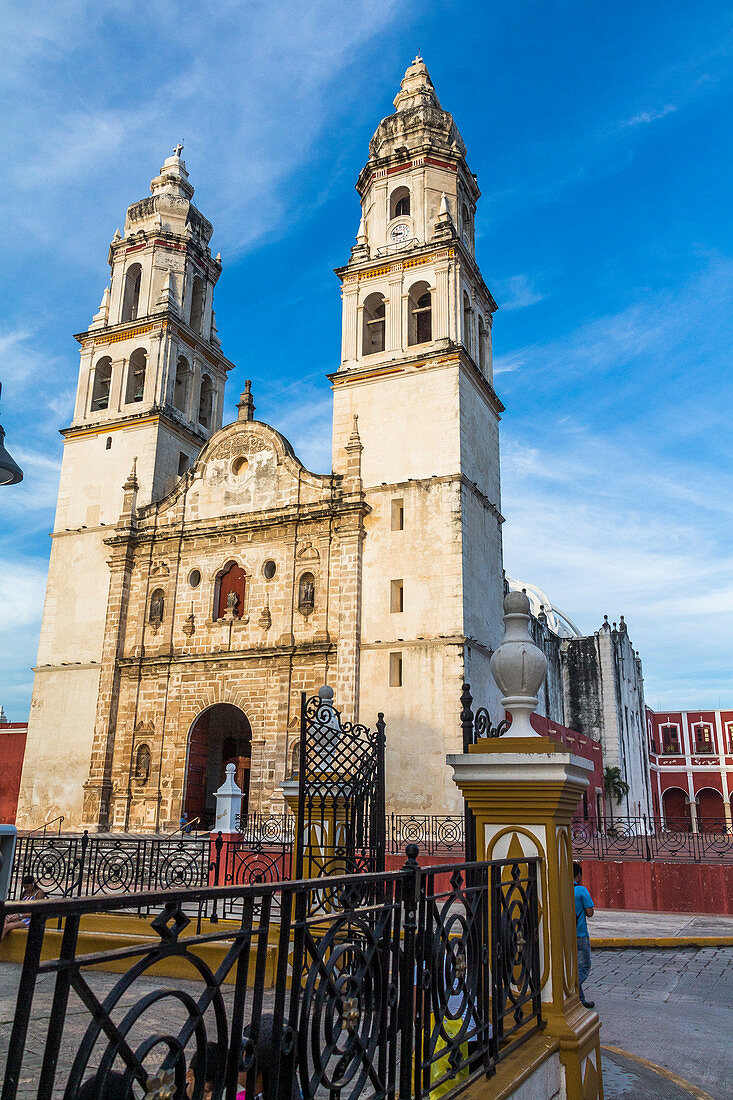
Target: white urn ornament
pixel 518 666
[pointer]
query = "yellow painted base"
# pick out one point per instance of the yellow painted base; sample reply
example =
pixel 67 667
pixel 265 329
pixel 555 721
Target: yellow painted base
pixel 121 934
pixel 513 1071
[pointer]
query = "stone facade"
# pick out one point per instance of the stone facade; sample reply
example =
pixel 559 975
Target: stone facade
pixel 222 578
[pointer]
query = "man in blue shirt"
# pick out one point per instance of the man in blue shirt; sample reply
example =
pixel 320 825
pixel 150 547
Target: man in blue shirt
pixel 583 910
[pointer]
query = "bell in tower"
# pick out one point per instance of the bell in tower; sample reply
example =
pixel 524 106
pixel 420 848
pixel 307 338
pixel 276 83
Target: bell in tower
pixel 412 287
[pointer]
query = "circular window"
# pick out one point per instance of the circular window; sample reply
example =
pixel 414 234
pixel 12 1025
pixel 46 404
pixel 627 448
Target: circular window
pixel 239 465
pixel 194 578
pixel 269 569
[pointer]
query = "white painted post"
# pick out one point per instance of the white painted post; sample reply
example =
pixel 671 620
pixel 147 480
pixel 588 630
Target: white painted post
pixel 228 803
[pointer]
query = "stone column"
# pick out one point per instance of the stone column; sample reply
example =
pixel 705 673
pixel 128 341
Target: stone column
pixel 523 789
pixel 440 322
pixel 395 338
pixel 349 299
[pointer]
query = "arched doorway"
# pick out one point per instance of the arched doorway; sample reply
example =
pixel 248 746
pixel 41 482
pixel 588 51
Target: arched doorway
pixel 710 815
pixel 220 735
pixel 676 810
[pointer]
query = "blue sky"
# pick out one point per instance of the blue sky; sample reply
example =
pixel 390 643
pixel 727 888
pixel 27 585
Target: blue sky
pixel 601 138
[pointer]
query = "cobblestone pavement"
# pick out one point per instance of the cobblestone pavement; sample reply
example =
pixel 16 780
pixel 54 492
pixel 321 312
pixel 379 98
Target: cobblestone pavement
pixel 673 1007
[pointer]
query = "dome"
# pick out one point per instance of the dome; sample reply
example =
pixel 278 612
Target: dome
pixel 558 622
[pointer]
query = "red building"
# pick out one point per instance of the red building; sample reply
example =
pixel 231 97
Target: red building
pixel 691 761
pixel 12 750
pixel 591 805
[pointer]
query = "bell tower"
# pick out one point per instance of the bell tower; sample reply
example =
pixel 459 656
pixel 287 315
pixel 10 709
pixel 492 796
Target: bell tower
pixel 149 395
pixel 416 367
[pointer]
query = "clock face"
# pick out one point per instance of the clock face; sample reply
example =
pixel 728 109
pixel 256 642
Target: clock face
pixel 400 232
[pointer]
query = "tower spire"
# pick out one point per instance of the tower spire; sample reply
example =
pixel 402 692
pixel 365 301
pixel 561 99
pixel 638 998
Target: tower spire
pixel 246 404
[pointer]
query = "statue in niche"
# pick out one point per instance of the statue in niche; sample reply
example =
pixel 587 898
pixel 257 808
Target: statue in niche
pixel 232 603
pixel 157 607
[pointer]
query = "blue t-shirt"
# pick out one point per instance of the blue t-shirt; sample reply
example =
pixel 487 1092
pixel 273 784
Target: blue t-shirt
pixel 583 901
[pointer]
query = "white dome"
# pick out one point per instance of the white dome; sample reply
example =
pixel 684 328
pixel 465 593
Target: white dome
pixel 557 620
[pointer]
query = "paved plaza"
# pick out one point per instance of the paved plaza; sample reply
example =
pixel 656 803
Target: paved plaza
pixel 670 1007
pixel 673 1007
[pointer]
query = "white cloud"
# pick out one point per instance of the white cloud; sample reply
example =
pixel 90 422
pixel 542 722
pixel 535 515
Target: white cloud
pixel 590 525
pixel 650 116
pixel 516 292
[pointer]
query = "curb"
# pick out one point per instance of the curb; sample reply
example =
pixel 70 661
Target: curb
pixel 612 942
pixel 687 1086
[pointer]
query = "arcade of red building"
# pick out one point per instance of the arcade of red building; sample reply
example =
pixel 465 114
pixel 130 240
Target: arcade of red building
pixel 691 763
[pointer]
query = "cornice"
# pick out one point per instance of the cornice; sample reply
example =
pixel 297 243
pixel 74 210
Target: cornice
pixel 440 358
pixel 129 665
pixel 245 523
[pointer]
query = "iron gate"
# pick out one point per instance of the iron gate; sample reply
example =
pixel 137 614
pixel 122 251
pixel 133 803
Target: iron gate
pixel 341 816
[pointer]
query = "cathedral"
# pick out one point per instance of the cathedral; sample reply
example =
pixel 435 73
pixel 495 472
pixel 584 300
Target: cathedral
pixel 201 578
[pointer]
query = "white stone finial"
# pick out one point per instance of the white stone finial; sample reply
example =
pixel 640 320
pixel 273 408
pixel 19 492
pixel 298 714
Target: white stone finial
pixel 228 803
pixel 117 236
pixel 443 211
pixel 167 296
pixel 101 317
pixel 361 236
pixel 518 666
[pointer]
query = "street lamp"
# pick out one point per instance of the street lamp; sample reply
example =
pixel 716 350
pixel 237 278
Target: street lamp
pixel 10 471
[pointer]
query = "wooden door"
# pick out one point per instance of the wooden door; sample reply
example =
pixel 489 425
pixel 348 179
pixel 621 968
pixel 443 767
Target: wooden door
pixel 198 752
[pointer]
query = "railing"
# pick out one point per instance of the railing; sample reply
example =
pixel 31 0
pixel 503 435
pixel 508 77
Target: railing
pixel 84 866
pixel 42 829
pixel 433 833
pixel 643 838
pixel 400 985
pixel 184 829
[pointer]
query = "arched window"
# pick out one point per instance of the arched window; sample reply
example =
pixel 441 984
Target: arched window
pixel 467 341
pixel 374 324
pixel 108 444
pixel 703 738
pixel 306 593
pixel 399 202
pixel 157 607
pixel 102 383
pixel 295 759
pixel 197 303
pixel 131 293
pixel 420 318
pixel 465 219
pixel 206 401
pixel 142 763
pixel 229 591
pixel 180 388
pixel 136 376
pixel 481 343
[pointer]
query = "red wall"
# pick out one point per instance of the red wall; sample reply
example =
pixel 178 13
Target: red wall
pixel 12 750
pixel 660 887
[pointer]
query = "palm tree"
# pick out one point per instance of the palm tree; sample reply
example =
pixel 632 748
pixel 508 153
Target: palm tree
pixel 615 786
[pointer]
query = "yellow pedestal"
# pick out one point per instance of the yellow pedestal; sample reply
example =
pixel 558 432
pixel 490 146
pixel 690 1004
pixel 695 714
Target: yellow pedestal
pixel 523 792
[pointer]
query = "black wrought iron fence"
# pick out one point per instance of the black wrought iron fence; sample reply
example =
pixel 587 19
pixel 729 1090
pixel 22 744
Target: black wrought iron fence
pixel 87 865
pixel 379 983
pixel 433 833
pixel 649 838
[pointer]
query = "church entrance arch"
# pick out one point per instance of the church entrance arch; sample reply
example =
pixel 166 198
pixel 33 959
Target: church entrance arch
pixel 220 735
